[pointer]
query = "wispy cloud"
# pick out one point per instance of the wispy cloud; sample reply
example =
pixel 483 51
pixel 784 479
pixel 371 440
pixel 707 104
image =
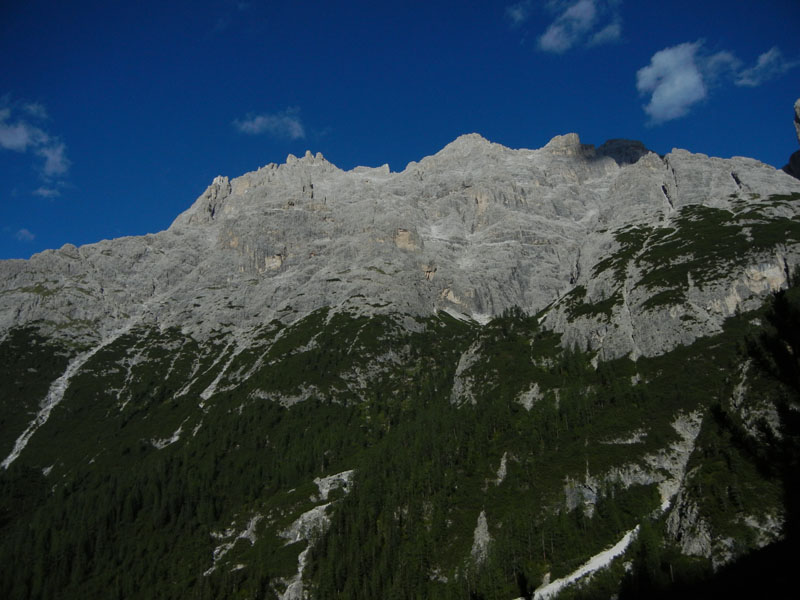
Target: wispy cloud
pixel 20 135
pixel 770 65
pixel 581 22
pixel 35 109
pixel 46 192
pixel 681 76
pixel 569 27
pixel 286 124
pixel 720 66
pixel 55 158
pixel 519 13
pixel 607 35
pixel 20 132
pixel 23 235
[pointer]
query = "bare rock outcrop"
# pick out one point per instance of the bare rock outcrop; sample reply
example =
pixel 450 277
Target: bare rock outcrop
pixel 797 118
pixel 793 166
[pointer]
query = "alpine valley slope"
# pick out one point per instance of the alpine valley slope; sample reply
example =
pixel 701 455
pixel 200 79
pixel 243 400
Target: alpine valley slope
pixel 465 379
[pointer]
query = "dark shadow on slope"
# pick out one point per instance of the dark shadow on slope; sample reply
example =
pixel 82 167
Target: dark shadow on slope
pixel 765 573
pixel 770 571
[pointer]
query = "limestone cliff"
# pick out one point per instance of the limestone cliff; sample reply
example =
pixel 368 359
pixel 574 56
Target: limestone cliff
pixel 476 228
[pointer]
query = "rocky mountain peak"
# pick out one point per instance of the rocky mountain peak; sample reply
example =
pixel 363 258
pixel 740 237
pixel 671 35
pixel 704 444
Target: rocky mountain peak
pixel 308 158
pixel 568 145
pixel 467 145
pixel 797 118
pixel 467 140
pixel 625 152
pixel 567 140
pixel 793 166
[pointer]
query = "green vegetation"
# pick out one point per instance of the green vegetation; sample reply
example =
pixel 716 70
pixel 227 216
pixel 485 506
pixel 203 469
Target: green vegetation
pixel 631 240
pixel 701 245
pixel 28 365
pixel 668 297
pixel 708 242
pixel 577 307
pixel 39 289
pixel 144 464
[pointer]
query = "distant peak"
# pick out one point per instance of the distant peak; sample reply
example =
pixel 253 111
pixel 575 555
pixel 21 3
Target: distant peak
pixel 568 144
pixel 568 140
pixel 625 152
pixel 470 143
pixel 470 139
pixel 308 158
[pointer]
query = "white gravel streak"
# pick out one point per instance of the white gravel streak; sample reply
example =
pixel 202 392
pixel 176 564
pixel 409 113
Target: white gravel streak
pixel 56 394
pixel 598 561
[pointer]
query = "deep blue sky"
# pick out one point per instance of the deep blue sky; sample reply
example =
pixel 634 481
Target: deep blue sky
pixel 115 116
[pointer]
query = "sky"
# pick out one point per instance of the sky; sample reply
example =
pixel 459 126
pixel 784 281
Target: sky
pixel 115 116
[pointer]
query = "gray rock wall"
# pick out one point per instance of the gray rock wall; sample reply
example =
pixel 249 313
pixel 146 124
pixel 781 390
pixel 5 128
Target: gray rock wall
pixel 476 228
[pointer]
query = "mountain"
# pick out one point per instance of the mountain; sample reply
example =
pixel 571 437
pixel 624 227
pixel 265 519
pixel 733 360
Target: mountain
pixel 793 166
pixel 467 378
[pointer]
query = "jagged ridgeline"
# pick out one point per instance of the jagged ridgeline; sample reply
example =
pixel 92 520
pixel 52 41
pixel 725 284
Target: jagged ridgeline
pixel 496 374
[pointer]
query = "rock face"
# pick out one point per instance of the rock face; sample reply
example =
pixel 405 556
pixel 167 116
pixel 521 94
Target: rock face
pixel 797 118
pixel 793 167
pixel 476 228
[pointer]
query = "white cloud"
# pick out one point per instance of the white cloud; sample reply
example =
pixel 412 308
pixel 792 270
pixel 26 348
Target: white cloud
pixel 21 136
pixel 680 76
pixel 674 82
pixel 46 192
pixel 609 34
pixel 35 109
pixel 283 124
pixel 569 27
pixel 14 137
pixel 770 65
pixel 721 65
pixel 23 235
pixel 55 159
pixel 519 12
pixel 582 22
